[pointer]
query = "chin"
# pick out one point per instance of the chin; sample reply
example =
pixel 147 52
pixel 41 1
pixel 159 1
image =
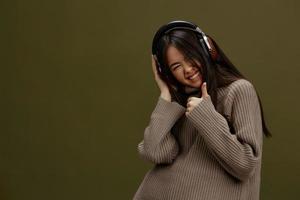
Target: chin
pixel 196 84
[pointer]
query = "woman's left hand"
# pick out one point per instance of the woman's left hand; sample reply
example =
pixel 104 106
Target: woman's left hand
pixel 192 102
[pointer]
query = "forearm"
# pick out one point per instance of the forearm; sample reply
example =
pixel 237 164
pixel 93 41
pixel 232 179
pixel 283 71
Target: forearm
pixel 240 152
pixel 159 144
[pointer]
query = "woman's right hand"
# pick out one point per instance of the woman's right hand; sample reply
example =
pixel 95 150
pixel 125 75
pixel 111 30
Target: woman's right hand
pixel 165 92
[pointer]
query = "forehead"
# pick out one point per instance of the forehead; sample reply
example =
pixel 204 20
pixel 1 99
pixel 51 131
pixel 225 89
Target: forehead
pixel 173 54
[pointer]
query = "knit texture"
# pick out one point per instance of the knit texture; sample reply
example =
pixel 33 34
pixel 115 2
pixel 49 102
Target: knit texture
pixel 210 154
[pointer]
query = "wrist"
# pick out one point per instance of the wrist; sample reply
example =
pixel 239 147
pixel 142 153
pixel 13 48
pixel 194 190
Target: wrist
pixel 166 95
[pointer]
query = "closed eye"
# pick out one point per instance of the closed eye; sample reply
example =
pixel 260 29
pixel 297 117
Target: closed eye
pixel 173 68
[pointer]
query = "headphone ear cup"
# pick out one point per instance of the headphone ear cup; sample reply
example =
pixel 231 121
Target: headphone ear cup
pixel 213 52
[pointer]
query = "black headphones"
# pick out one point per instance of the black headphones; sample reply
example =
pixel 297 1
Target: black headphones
pixel 209 50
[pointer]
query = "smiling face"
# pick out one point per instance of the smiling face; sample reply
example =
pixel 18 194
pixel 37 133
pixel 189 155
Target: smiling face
pixel 182 69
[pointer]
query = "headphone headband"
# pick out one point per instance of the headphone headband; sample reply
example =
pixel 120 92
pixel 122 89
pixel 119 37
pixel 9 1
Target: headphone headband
pixel 179 24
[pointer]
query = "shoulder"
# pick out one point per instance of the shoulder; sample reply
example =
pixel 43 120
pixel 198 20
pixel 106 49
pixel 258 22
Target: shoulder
pixel 239 84
pixel 241 88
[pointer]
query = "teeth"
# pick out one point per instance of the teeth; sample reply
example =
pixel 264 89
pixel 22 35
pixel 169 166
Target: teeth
pixel 194 76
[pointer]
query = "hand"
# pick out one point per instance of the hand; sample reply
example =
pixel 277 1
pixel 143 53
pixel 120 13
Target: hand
pixel 164 90
pixel 192 102
pixel 160 83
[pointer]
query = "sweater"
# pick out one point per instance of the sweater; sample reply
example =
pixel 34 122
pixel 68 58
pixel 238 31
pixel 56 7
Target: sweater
pixel 210 153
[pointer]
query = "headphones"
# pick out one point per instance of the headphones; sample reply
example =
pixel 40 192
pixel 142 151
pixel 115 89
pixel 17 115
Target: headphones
pixel 206 44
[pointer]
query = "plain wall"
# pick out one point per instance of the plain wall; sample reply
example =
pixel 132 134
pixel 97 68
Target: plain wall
pixel 77 90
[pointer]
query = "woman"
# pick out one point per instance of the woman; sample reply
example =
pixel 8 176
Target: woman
pixel 205 135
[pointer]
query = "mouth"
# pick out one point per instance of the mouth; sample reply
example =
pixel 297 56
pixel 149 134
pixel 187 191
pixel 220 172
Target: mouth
pixel 194 76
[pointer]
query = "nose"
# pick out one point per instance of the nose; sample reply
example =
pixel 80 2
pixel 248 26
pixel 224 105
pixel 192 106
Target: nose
pixel 188 69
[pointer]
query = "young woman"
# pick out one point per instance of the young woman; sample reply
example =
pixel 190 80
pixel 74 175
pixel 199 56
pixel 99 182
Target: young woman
pixel 205 135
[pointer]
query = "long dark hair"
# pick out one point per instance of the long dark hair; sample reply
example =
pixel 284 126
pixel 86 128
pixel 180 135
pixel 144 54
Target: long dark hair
pixel 217 74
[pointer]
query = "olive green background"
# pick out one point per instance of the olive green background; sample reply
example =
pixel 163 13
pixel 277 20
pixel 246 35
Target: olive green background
pixel 77 90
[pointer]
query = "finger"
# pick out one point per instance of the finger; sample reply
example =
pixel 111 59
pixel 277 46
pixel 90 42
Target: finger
pixel 187 110
pixel 204 89
pixel 154 65
pixel 152 61
pixel 190 98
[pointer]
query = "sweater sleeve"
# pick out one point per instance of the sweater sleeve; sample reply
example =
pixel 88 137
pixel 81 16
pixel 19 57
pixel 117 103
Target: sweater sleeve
pixel 239 153
pixel 159 144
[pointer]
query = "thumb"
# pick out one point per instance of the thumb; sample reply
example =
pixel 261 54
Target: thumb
pixel 204 89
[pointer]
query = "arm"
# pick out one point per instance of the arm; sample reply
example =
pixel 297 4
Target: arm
pixel 159 145
pixel 238 153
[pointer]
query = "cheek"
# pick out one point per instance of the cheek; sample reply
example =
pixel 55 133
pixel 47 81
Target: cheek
pixel 179 76
pixel 176 74
pixel 201 76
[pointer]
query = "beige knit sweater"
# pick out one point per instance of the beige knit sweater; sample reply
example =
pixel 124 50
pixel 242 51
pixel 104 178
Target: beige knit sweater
pixel 198 157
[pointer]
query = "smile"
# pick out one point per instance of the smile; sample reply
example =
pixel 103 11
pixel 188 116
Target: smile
pixel 194 76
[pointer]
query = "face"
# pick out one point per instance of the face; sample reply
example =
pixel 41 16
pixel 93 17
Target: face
pixel 182 69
